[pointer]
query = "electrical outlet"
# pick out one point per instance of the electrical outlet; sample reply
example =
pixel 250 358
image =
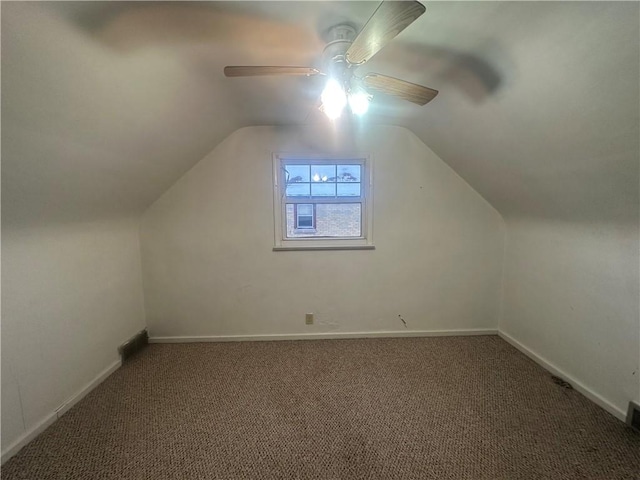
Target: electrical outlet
pixel 308 319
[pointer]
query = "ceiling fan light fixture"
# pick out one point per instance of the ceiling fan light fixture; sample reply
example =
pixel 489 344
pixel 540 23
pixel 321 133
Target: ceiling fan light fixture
pixel 333 99
pixel 347 50
pixel 359 102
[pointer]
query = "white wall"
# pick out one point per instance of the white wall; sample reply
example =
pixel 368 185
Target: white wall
pixel 209 268
pixel 99 117
pixel 565 176
pixel 77 170
pixel 71 293
pixel 572 297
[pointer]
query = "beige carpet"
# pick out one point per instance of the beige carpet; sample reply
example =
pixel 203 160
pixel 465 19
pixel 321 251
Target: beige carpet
pixel 424 408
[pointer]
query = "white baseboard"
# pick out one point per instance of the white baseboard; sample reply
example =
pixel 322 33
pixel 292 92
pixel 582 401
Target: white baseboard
pixel 324 336
pixel 42 425
pixel 576 384
pixel 62 409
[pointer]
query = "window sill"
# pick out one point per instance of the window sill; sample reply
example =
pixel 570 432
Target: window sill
pixel 290 248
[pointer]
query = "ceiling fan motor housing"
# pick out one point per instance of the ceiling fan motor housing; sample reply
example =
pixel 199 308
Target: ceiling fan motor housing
pixel 340 39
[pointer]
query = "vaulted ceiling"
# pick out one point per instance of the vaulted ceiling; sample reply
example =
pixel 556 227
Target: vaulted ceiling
pixel 106 104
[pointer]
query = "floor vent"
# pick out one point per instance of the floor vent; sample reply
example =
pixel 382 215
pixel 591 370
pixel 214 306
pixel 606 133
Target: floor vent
pixel 134 345
pixel 633 416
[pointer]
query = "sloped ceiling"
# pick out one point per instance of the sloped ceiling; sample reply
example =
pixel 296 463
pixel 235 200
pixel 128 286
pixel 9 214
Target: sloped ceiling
pixel 106 104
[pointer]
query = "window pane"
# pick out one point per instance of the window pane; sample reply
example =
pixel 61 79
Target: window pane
pixel 297 173
pixel 298 190
pixel 348 189
pixel 348 173
pixel 323 189
pixel 305 222
pixel 332 220
pixel 323 173
pixel 305 209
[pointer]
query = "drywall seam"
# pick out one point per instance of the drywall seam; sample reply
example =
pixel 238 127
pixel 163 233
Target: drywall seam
pixel 576 384
pixel 49 419
pixel 505 242
pixel 18 389
pixel 323 336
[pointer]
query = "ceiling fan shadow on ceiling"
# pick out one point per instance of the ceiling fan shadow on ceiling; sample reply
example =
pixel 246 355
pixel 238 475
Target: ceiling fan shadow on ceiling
pixel 345 52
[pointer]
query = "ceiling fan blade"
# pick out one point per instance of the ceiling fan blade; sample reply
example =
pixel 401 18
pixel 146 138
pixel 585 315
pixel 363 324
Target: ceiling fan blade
pixel 399 88
pixel 249 71
pixel 386 23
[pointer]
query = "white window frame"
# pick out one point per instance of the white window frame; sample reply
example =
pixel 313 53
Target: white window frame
pixel 282 243
pixel 297 215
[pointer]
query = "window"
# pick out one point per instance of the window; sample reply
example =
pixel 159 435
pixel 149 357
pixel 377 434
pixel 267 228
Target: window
pixel 305 216
pixel 322 202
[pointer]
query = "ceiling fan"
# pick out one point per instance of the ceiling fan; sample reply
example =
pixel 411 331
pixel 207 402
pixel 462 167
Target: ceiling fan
pixel 347 51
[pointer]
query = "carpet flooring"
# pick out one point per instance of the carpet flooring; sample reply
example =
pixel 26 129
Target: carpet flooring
pixel 413 408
